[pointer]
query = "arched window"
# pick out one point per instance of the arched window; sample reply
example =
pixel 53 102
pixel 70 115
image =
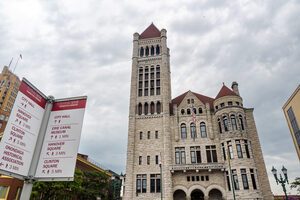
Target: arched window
pixel 193 130
pixel 200 111
pixel 158 110
pixel 195 111
pixel 157 50
pixel 233 122
pixel 225 122
pixel 241 122
pixel 142 52
pixel 140 109
pixel 183 131
pixel 147 51
pixel 182 111
pixel 152 50
pixel 220 126
pixel 188 111
pixel 203 129
pixel 152 108
pixel 146 109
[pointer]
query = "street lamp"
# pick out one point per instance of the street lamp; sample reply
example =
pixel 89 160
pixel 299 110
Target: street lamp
pixel 281 180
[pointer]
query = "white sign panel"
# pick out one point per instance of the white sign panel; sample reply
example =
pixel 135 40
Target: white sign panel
pixel 19 138
pixel 60 147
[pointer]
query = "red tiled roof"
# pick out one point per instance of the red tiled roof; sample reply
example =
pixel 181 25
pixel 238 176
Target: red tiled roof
pixel 150 32
pixel 202 98
pixel 225 91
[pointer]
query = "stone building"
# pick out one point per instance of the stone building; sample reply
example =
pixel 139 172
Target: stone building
pixel 192 134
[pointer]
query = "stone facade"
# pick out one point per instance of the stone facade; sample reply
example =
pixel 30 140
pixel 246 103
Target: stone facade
pixel 192 134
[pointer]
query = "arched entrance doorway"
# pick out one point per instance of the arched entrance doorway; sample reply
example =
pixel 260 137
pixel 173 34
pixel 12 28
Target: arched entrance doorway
pixel 179 195
pixel 197 195
pixel 215 194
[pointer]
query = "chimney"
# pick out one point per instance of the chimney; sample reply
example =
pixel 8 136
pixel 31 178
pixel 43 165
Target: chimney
pixel 235 87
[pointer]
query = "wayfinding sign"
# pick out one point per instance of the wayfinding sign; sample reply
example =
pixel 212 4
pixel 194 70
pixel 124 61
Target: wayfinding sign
pixel 19 138
pixel 59 151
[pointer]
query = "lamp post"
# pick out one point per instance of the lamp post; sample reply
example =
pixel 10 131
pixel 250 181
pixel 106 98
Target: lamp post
pixel 281 180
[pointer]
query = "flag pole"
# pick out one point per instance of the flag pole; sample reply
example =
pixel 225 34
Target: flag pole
pixel 10 62
pixel 161 188
pixel 232 185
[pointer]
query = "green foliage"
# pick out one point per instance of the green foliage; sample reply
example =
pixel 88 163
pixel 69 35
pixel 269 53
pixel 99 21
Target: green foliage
pixel 296 184
pixel 86 185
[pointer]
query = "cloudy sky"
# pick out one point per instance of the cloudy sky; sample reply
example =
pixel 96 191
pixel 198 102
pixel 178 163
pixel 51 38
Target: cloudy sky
pixel 73 48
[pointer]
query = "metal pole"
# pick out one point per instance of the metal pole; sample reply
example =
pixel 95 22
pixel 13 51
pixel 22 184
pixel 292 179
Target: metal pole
pixel 28 183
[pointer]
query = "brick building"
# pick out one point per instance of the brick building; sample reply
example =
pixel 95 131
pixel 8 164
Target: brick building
pixel 192 133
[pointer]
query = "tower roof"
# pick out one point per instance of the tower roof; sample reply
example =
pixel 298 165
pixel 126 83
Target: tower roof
pixel 150 32
pixel 225 91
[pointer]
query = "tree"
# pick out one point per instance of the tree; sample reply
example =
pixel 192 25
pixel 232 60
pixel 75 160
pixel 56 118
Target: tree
pixel 86 185
pixel 296 184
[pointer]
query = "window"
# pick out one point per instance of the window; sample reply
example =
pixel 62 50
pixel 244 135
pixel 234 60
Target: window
pixel 202 178
pixel 146 76
pixel 146 84
pixel 157 50
pixel 147 69
pixel 228 181
pixel 192 100
pixel 142 52
pixel 152 50
pixel 147 51
pixel 152 69
pixel 203 129
pixel 193 130
pixel 247 148
pixel 197 178
pixel 180 155
pixel 230 151
pixel 200 111
pixel 195 154
pixel 140 109
pixel 244 179
pixel 148 135
pixel 140 77
pixel 188 101
pixel 230 103
pixel 152 83
pixel 182 111
pixel 158 91
pixel 223 150
pixel 253 179
pixel 146 108
pixel 157 82
pixel 156 159
pixel 155 183
pixel 2 117
pixel 235 180
pixel 156 134
pixel 237 103
pixel 157 68
pixel 148 160
pixel 158 107
pixel 141 135
pixel 241 122
pixel 188 178
pixel 140 160
pixel 152 91
pixel 183 131
pixel 211 154
pixel 140 92
pixel 233 122
pixel 239 149
pixel 188 111
pixel 220 126
pixel 146 92
pixel 141 84
pixel 207 178
pixel 157 74
pixel 225 122
pixel 193 178
pixel 294 124
pixel 4 192
pixel 194 110
pixel 222 105
pixel 152 108
pixel 141 183
pixel 152 77
pixel 216 107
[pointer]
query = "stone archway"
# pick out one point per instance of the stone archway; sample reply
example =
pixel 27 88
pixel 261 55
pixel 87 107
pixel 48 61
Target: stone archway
pixel 179 195
pixel 215 194
pixel 197 195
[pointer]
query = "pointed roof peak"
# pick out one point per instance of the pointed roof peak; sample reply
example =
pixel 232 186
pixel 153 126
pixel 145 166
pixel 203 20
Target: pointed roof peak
pixel 225 91
pixel 150 32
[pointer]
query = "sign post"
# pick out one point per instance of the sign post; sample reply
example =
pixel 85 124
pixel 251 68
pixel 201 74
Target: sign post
pixel 41 139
